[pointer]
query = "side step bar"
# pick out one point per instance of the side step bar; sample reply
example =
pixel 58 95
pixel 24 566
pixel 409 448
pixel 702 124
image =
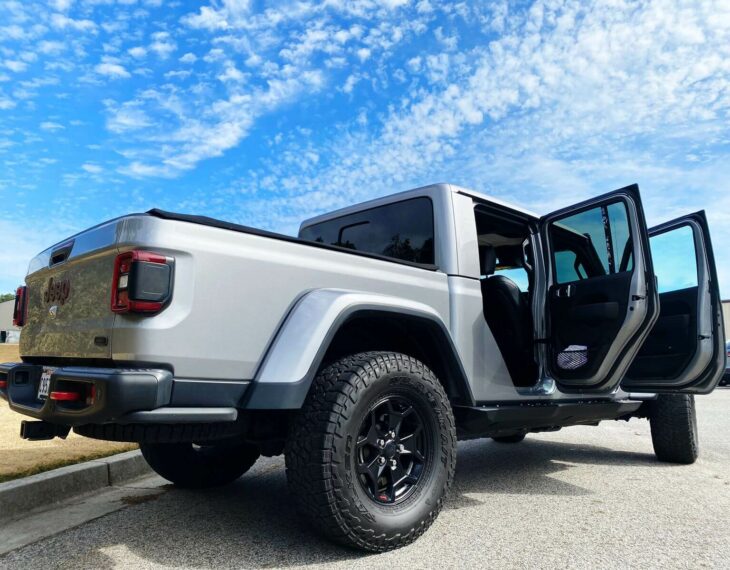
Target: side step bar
pixel 487 421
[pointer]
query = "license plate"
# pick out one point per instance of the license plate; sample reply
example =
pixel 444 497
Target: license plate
pixel 44 386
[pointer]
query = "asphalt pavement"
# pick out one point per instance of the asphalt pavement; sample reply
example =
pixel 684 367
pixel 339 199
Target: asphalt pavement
pixel 584 497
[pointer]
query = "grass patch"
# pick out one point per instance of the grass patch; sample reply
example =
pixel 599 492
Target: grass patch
pixel 9 353
pixel 62 462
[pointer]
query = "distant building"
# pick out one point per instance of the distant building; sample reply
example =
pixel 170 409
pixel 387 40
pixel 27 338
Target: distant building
pixel 8 332
pixel 726 317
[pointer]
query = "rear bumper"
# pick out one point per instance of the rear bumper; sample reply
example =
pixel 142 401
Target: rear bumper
pixel 123 396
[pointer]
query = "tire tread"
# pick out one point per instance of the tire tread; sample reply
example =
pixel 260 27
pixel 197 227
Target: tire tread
pixel 317 490
pixel 673 423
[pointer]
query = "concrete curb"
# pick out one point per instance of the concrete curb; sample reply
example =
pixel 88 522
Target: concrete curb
pixel 20 496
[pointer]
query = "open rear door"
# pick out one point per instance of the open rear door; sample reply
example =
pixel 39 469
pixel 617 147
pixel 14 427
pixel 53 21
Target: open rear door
pixel 685 351
pixel 601 299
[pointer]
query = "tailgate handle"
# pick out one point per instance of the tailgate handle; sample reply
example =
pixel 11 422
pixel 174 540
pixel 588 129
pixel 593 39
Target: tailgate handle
pixel 61 253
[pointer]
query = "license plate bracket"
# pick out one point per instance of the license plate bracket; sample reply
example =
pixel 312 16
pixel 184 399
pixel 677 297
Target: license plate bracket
pixel 44 386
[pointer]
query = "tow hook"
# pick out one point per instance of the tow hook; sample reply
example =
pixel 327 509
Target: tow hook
pixel 41 431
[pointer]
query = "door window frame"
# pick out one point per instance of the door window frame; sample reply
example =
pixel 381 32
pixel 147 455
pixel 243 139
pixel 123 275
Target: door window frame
pixel 611 261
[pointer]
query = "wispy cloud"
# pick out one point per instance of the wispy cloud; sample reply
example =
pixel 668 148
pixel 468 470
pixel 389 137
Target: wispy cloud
pixel 51 126
pixel 128 117
pixel 92 168
pixel 15 65
pixel 113 70
pixel 62 22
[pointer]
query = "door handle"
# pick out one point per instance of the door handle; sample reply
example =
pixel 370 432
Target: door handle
pixel 565 291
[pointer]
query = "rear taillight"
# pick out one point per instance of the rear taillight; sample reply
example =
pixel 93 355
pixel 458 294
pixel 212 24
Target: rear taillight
pixel 65 396
pixel 142 282
pixel 21 306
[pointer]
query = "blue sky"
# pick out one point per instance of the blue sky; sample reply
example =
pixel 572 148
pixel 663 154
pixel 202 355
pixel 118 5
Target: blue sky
pixel 266 113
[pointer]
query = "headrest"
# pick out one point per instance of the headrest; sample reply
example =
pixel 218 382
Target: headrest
pixel 512 255
pixel 489 260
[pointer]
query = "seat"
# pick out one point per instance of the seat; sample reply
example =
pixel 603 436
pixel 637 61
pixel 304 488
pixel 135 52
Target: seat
pixel 509 317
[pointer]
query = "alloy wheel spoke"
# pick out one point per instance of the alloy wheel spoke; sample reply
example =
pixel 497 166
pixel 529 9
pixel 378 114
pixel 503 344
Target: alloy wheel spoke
pixel 397 474
pixel 372 470
pixel 373 435
pixel 410 445
pixel 394 421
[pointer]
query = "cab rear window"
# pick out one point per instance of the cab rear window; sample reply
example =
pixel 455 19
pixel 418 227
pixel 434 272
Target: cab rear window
pixel 402 230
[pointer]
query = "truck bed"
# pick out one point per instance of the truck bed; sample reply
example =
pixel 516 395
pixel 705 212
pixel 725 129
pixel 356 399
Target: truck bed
pixel 214 223
pixel 233 286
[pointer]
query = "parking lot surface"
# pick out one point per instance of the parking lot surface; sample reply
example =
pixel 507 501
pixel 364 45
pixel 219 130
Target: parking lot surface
pixel 582 497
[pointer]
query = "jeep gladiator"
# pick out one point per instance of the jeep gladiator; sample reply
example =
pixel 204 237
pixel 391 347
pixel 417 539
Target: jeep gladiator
pixel 364 348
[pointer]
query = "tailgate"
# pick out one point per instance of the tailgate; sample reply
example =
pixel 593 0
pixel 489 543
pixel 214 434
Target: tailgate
pixel 69 292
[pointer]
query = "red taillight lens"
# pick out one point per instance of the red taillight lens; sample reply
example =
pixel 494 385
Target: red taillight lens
pixel 142 282
pixel 65 396
pixel 21 306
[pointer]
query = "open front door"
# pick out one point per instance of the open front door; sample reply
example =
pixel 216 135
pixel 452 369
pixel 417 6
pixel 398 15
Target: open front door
pixel 685 351
pixel 601 299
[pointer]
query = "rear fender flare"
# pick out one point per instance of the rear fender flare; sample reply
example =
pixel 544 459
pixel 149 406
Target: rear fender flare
pixel 295 355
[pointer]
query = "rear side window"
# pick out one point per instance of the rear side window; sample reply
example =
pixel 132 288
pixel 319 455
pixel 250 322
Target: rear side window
pixel 403 230
pixel 592 243
pixel 675 259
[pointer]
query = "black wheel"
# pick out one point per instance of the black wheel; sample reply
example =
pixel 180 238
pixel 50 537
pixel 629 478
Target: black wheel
pixel 371 455
pixel 673 421
pixel 199 466
pixel 517 438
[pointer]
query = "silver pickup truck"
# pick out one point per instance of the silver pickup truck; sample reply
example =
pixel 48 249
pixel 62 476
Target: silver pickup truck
pixel 365 347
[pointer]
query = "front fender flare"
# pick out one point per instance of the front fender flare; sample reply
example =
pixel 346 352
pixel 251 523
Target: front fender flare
pixel 296 353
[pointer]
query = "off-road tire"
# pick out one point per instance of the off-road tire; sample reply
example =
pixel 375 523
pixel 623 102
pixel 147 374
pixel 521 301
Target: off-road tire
pixel 517 438
pixel 198 467
pixel 673 421
pixel 320 451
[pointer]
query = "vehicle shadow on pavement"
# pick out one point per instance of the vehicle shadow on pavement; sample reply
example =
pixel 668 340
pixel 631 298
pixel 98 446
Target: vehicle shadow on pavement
pixel 253 522
pixel 529 468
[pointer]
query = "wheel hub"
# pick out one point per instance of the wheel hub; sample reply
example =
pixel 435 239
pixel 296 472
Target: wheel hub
pixel 391 449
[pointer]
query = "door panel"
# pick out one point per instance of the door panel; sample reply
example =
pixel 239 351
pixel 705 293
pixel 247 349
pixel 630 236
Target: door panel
pixel 685 351
pixel 599 305
pixel 672 342
pixel 576 321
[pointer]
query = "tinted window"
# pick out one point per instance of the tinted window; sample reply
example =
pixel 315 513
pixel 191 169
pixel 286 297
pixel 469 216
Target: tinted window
pixel 403 230
pixel 675 259
pixel 568 267
pixel 592 243
pixel 518 275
